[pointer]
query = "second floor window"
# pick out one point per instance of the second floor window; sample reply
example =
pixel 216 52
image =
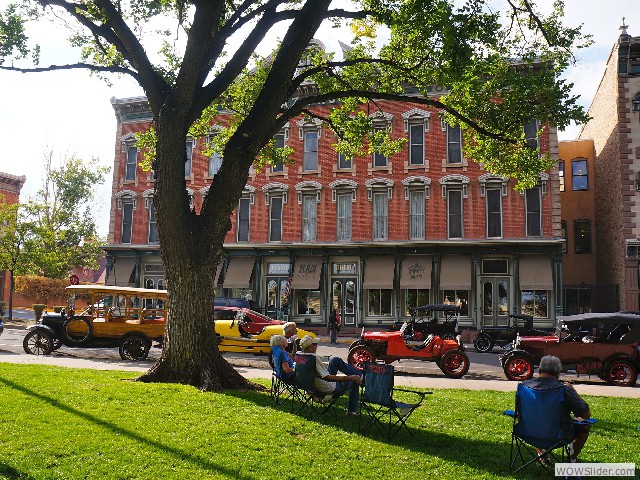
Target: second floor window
pixel 416 144
pixel 582 236
pixel 379 159
pixel 344 162
pixel 309 217
pixel 454 145
pixel 533 212
pixel 131 163
pixel 242 227
pixel 454 213
pixel 380 215
pixel 416 215
pixel 275 219
pixel 215 162
pixel 494 212
pixel 279 143
pixel 310 160
pixel 579 175
pixel 127 222
pixel 188 164
pixel 343 201
pixel 153 225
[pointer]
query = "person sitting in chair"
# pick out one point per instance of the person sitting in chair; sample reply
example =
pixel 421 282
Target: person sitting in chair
pixel 282 363
pixel 549 379
pixel 328 382
pixel 290 331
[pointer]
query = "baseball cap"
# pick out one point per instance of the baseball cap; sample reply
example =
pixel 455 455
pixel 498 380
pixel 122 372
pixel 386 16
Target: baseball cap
pixel 307 340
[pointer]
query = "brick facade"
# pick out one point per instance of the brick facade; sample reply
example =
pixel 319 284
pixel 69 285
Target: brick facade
pixel 10 186
pixel 475 246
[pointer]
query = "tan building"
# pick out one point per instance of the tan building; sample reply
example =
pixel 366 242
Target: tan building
pixel 577 195
pixel 615 131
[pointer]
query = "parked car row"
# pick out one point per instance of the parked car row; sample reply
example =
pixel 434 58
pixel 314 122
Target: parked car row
pixel 131 319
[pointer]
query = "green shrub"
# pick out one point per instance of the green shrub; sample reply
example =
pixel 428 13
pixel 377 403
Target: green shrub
pixel 38 308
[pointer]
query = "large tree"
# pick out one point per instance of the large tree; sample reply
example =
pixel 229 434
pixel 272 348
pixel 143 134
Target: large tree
pixel 500 69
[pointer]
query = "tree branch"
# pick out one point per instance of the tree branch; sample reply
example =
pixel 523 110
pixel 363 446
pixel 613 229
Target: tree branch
pixel 88 66
pixel 301 105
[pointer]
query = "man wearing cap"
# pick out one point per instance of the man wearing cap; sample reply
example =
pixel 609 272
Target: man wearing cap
pixel 327 382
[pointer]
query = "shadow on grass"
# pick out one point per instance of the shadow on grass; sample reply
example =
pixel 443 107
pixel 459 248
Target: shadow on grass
pixel 179 454
pixel 7 471
pixel 479 455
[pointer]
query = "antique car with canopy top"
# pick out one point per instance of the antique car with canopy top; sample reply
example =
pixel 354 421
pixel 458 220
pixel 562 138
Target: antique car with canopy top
pixel 427 335
pixel 504 335
pixel 606 345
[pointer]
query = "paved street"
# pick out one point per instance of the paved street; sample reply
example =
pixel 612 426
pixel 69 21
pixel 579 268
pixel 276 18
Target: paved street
pixel 485 372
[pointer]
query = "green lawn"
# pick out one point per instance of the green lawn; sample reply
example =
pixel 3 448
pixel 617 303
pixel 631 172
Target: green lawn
pixel 67 424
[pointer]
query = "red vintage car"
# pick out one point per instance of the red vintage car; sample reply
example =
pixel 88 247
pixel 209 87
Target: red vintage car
pixel 606 345
pixel 410 343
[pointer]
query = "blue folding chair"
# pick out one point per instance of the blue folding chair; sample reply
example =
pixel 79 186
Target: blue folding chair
pixel 542 424
pixel 304 392
pixel 281 389
pixel 377 402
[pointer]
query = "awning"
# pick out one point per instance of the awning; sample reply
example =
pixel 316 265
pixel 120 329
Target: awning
pixel 378 272
pixel 121 271
pixel 455 272
pixel 416 271
pixel 306 273
pixel 535 272
pixel 239 272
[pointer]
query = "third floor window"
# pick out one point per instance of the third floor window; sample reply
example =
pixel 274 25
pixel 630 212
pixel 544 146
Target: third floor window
pixel 454 145
pixel 416 144
pixel 309 217
pixel 310 160
pixel 579 175
pixel 131 163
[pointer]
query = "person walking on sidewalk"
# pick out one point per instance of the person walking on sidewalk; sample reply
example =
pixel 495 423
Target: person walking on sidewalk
pixel 334 326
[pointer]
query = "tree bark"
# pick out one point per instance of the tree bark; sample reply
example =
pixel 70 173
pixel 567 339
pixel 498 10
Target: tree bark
pixel 190 255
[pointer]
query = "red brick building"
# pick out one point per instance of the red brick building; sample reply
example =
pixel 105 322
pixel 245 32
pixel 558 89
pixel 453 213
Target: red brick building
pixel 369 236
pixel 10 186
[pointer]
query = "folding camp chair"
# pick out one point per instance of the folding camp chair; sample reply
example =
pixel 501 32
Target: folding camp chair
pixel 280 389
pixel 377 402
pixel 541 425
pixel 304 391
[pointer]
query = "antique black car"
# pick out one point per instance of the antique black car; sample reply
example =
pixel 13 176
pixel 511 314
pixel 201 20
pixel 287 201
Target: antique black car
pixel 504 335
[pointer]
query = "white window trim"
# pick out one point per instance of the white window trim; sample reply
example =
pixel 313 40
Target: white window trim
pixel 416 182
pixel 379 184
pixel 489 179
pixel 343 186
pixel 126 196
pixel 455 181
pixel 415 115
pixel 307 188
pixel 275 189
pixel 308 124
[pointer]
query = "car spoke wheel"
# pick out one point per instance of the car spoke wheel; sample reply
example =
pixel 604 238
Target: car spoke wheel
pixel 57 343
pixel 454 364
pixel 518 367
pixel 359 355
pixel 134 347
pixel 483 344
pixel 38 342
pixel 622 373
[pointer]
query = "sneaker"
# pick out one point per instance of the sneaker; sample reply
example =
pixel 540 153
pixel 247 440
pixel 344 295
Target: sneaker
pixel 353 414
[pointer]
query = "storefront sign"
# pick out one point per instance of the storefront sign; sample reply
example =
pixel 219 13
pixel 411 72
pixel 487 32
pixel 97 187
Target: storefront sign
pixel 343 268
pixel 279 269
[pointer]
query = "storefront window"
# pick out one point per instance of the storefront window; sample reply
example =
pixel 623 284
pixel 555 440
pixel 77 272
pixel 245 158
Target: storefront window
pixel 379 302
pixel 459 298
pixel 534 302
pixel 308 302
pixel 415 298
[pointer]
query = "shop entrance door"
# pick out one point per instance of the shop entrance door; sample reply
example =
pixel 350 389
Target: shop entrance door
pixel 495 301
pixel 278 289
pixel 343 299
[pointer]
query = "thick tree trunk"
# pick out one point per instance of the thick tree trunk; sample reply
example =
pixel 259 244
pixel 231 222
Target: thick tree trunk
pixel 190 254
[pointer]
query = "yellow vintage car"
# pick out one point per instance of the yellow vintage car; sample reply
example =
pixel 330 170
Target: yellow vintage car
pixel 244 330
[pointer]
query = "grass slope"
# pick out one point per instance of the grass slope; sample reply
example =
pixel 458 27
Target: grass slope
pixel 60 423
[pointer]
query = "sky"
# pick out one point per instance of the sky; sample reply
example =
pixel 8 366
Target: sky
pixel 69 112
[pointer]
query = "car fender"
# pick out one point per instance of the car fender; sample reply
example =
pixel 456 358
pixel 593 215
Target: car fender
pixel 45 328
pixel 620 356
pixel 507 355
pixel 356 343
